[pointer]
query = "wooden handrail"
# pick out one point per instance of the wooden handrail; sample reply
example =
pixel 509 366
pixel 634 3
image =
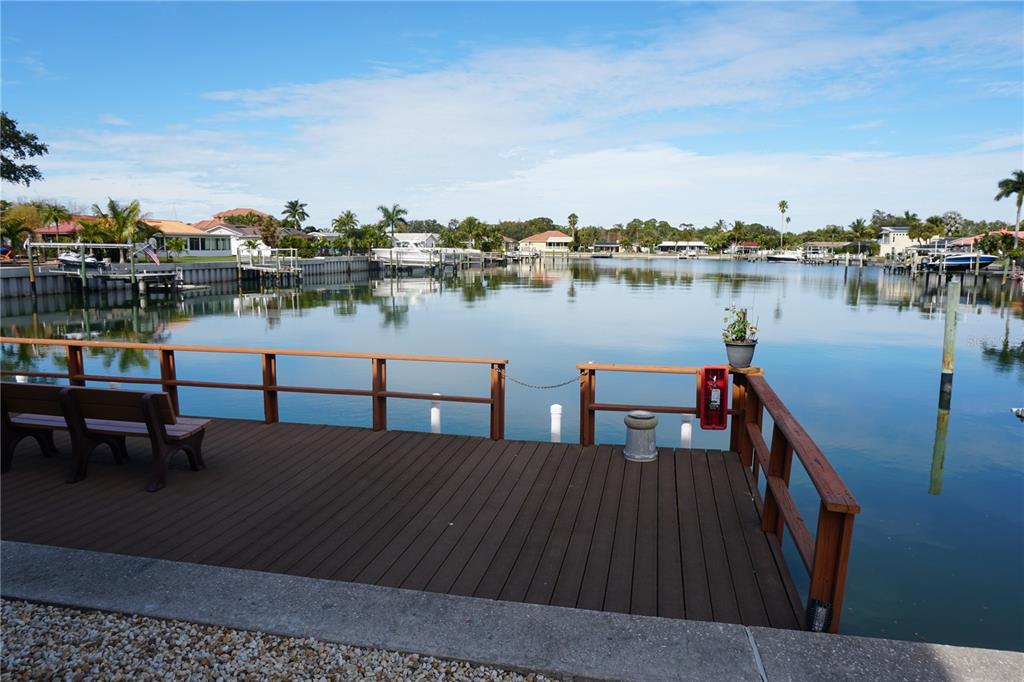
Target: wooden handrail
pixel 254 351
pixel 645 369
pixel 169 382
pixel 834 493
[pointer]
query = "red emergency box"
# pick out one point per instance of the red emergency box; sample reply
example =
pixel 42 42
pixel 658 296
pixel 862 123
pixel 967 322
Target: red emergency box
pixel 713 397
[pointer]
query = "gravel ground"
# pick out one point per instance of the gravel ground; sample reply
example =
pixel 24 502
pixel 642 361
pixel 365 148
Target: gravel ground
pixel 53 643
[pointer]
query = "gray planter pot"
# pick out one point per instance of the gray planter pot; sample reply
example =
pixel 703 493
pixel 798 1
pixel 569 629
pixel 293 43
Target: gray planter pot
pixel 740 353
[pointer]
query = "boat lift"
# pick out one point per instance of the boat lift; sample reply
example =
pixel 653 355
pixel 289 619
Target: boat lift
pixel 83 273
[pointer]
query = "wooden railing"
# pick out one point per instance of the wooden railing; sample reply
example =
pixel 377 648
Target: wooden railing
pixel 826 554
pixel 271 389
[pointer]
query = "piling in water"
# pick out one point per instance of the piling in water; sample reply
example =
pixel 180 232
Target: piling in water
pixel 949 345
pixel 939 451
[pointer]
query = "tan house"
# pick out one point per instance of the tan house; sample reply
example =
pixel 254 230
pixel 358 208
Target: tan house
pixel 552 241
pixel 197 242
pixel 894 241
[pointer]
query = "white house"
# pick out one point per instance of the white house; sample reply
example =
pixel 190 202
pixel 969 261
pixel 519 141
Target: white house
pixel 552 241
pixel 197 242
pixel 690 248
pixel 421 240
pixel 894 241
pixel 237 235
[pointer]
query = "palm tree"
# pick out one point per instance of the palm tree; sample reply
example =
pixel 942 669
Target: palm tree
pixel 175 245
pixel 295 212
pixel 783 207
pixel 344 222
pixel 53 213
pixel 573 221
pixel 16 231
pixel 910 218
pixel 391 218
pixel 859 230
pixel 1007 188
pixel 123 222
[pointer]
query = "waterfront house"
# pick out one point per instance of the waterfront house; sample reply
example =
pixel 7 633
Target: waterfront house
pixel 822 249
pixel 420 240
pixel 550 242
pixel 237 236
pixel 65 231
pixel 197 241
pixel 971 243
pixel 689 248
pixel 894 241
pixel 745 248
pixel 607 247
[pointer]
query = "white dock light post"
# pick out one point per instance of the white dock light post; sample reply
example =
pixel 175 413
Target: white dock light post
pixel 686 432
pixel 435 414
pixel 556 423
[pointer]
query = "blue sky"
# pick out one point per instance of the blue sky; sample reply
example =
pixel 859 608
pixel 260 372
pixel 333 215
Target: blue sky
pixel 688 112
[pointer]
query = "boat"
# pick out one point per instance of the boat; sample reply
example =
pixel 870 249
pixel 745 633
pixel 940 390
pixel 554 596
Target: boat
pixel 785 257
pixel 407 256
pixel 601 254
pixel 70 259
pixel 959 262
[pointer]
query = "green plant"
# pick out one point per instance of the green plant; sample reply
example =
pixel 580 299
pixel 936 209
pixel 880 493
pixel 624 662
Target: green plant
pixel 175 245
pixel 738 328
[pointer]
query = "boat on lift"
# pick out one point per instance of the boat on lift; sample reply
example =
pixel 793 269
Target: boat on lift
pixel 72 260
pixel 959 262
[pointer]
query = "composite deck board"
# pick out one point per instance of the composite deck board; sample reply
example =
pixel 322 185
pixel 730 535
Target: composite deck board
pixel 514 520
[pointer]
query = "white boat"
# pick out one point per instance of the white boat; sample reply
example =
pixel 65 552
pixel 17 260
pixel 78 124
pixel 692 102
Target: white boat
pixel 406 256
pixel 70 259
pixel 785 257
pixel 960 262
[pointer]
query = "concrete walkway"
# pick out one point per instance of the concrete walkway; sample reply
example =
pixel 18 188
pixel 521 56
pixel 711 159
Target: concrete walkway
pixel 555 641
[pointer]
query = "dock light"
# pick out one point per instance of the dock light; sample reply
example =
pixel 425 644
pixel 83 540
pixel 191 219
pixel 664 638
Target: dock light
pixel 556 423
pixel 819 615
pixel 435 414
pixel 686 432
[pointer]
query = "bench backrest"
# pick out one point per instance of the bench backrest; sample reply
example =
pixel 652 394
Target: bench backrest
pixel 31 398
pixel 118 405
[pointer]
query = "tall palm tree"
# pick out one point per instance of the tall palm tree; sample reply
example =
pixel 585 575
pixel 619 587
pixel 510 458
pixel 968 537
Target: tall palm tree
pixel 573 221
pixel 295 212
pixel 783 207
pixel 123 222
pixel 859 231
pixel 391 218
pixel 911 218
pixel 14 230
pixel 1007 188
pixel 53 214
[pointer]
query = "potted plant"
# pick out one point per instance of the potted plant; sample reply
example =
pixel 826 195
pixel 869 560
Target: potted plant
pixel 740 336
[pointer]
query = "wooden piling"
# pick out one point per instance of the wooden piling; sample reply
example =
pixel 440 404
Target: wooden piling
pixel 949 344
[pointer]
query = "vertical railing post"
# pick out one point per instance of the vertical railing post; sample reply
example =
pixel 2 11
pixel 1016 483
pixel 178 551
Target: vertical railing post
pixel 753 414
pixel 497 401
pixel 780 462
pixel 588 381
pixel 380 401
pixel 168 374
pixel 76 364
pixel 738 423
pixel 270 415
pixel 831 558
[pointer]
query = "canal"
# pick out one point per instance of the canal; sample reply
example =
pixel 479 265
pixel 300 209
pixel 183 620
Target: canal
pixel 938 551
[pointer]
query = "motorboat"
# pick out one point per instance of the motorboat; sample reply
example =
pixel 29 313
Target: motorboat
pixel 959 262
pixel 785 257
pixel 406 255
pixel 70 259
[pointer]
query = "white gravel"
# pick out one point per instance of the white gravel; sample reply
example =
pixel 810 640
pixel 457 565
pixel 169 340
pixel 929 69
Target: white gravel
pixel 54 643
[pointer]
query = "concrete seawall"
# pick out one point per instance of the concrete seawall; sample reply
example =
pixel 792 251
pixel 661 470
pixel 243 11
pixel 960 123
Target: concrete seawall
pixel 14 281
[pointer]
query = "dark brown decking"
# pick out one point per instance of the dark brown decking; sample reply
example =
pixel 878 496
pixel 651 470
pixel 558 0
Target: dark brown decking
pixel 521 521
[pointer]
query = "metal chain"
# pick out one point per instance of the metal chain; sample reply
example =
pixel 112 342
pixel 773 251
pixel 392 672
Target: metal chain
pixel 523 383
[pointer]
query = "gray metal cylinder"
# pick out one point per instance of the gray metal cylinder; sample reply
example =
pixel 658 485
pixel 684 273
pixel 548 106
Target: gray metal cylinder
pixel 640 439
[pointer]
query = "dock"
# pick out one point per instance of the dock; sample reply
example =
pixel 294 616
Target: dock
pixel 511 520
pixel 687 535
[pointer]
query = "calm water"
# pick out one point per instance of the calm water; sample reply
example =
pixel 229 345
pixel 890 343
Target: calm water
pixel 938 551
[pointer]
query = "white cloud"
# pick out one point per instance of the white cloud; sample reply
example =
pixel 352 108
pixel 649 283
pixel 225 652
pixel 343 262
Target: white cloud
pixel 607 132
pixel 112 120
pixel 1011 141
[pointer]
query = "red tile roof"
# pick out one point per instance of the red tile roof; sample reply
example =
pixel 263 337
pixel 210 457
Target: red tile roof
pixel 238 211
pixel 64 229
pixel 545 236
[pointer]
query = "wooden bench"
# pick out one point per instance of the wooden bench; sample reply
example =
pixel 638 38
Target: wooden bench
pixel 97 417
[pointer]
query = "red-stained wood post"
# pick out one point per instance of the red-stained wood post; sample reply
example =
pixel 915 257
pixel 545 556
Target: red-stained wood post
pixel 780 462
pixel 831 559
pixel 497 401
pixel 270 414
pixel 380 401
pixel 738 441
pixel 76 364
pixel 168 374
pixel 588 384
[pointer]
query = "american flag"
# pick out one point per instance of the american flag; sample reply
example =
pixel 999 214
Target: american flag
pixel 148 250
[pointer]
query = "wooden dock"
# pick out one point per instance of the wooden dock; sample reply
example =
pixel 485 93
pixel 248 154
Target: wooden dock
pixel 560 524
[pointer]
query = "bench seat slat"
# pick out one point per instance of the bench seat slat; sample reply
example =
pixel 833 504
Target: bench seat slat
pixel 185 427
